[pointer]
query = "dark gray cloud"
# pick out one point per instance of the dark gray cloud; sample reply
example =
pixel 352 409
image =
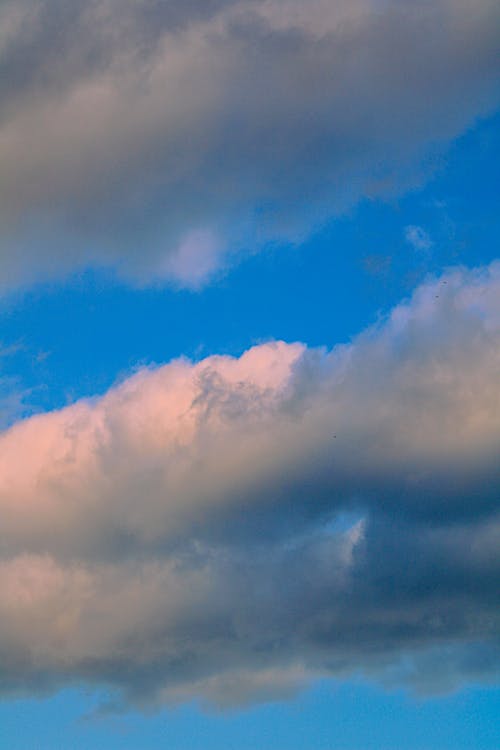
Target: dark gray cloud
pixel 234 528
pixel 164 138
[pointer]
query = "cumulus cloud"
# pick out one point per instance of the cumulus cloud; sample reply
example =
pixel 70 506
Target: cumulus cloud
pixel 233 528
pixel 132 131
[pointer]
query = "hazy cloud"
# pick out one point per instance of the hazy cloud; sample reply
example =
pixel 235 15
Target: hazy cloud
pixel 13 397
pixel 132 131
pixel 418 238
pixel 233 528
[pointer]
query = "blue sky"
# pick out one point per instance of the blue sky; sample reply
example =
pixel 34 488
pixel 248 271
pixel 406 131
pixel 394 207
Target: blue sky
pixel 344 716
pixel 322 291
pixel 210 539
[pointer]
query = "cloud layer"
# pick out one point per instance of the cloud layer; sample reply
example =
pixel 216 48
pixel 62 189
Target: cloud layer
pixel 161 138
pixel 233 528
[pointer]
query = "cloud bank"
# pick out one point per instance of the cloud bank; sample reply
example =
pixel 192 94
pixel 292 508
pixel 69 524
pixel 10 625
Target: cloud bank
pixel 162 138
pixel 234 528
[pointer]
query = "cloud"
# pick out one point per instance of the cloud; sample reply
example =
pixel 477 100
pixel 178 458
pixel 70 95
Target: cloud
pixel 195 260
pixel 234 528
pixel 131 131
pixel 417 238
pixel 14 399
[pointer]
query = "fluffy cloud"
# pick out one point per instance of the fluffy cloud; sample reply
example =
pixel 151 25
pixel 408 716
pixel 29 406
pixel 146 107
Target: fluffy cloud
pixel 233 528
pixel 161 138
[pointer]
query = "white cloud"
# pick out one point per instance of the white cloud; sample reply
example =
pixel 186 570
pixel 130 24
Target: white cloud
pixel 196 259
pixel 233 528
pixel 417 238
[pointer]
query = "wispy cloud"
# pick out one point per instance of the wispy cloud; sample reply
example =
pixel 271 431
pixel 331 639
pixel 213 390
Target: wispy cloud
pixel 13 397
pixel 418 238
pixel 186 535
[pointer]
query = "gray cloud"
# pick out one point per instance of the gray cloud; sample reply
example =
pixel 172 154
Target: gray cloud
pixel 14 400
pixel 164 138
pixel 234 528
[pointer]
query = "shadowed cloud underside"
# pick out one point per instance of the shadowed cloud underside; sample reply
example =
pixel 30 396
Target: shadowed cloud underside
pixel 165 139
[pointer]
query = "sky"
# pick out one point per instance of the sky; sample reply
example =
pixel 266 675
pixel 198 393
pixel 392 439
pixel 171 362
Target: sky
pixel 249 368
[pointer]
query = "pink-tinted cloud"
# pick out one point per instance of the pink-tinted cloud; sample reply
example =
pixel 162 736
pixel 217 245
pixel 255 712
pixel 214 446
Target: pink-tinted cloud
pixel 233 527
